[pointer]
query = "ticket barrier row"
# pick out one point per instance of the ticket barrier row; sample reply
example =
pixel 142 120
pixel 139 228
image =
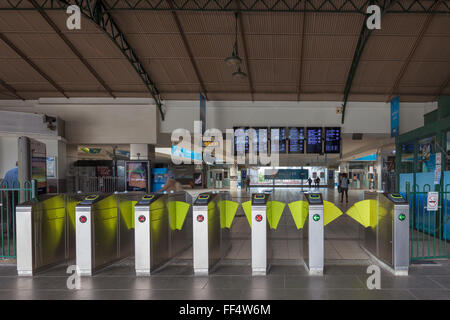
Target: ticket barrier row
pixel 104 229
pixel 385 218
pixel 98 230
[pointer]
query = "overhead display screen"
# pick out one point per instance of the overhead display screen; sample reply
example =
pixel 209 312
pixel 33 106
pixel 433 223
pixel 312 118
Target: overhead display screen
pixel 296 139
pixel 280 134
pixel 261 140
pixel 314 140
pixel 332 140
pixel 240 143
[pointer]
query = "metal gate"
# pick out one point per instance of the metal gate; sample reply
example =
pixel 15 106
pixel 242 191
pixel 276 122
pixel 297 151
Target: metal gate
pixel 10 196
pixel 429 230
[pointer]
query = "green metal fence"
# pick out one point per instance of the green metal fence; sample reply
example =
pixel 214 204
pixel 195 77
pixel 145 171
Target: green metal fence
pixel 10 197
pixel 429 230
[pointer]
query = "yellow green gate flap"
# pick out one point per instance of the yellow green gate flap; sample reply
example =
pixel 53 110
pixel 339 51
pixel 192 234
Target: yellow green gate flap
pixel 178 211
pixel 366 212
pixel 274 212
pixel 227 210
pixel 299 210
pixel 247 206
pixel 127 212
pixel 330 212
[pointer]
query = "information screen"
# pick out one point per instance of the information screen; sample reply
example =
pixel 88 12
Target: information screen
pixel 240 143
pixel 314 140
pixel 296 139
pixel 260 139
pixel 332 140
pixel 280 134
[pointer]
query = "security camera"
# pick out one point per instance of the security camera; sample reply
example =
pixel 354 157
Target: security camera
pixel 49 120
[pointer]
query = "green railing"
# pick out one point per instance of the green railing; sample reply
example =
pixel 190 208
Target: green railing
pixel 429 230
pixel 10 197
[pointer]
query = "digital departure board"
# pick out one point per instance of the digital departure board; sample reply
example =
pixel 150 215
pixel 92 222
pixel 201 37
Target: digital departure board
pixel 314 140
pixel 332 140
pixel 262 140
pixel 240 143
pixel 280 135
pixel 296 139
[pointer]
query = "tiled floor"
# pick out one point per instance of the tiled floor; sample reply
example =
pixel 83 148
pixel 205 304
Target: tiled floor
pixel 230 282
pixel 345 272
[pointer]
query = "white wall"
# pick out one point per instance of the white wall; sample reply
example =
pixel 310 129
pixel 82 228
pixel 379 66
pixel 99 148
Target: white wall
pixel 361 117
pixel 8 154
pixel 98 121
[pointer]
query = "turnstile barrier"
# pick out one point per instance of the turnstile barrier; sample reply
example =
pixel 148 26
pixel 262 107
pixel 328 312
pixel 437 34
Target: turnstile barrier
pixel 104 230
pixel 261 211
pixel 385 217
pixel 313 234
pixel 212 217
pixel 312 215
pixel 45 232
pixel 162 229
pixel 300 210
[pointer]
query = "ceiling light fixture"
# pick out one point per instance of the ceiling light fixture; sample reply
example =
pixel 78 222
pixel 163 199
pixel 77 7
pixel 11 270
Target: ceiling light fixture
pixel 234 60
pixel 239 74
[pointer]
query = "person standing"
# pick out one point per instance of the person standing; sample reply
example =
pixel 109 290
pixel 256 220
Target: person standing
pixel 317 183
pixel 247 182
pixel 310 182
pixel 343 185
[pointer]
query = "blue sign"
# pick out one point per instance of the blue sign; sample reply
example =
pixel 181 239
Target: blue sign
pixel 286 174
pixel 395 116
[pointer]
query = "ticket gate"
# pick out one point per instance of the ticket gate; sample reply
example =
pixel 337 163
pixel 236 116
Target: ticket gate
pixel 386 232
pixel 263 215
pixel 313 234
pixel 211 233
pixel 45 232
pixel 261 251
pixel 104 230
pixel 163 229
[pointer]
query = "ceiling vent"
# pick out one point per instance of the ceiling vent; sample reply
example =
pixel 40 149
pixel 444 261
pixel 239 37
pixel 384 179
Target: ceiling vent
pixel 357 136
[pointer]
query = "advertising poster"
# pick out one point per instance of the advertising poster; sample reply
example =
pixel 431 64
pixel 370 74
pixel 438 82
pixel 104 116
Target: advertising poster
pixel 39 173
pixel 137 176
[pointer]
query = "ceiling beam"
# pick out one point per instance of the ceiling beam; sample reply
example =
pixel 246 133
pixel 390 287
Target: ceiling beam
pixel 72 47
pixel 442 88
pixel 97 12
pixel 302 40
pixel 244 44
pixel 188 48
pixel 416 44
pixel 328 6
pixel 361 44
pixel 32 64
pixel 10 89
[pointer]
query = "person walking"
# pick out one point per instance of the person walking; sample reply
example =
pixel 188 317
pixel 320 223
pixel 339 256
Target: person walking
pixel 310 182
pixel 317 183
pixel 343 186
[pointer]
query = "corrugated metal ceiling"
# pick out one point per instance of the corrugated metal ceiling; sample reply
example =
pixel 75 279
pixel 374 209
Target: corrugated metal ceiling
pixel 274 42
